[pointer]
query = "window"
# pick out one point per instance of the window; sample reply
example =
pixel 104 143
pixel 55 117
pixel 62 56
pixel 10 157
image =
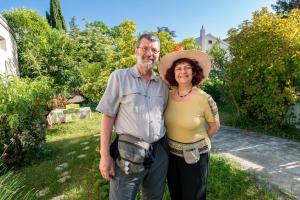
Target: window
pixel 2 44
pixel 210 42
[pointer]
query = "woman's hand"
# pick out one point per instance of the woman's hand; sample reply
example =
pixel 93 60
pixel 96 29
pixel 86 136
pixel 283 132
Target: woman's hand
pixel 213 127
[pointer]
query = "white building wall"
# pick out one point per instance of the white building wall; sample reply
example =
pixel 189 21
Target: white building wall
pixel 8 50
pixel 210 40
pixel 206 41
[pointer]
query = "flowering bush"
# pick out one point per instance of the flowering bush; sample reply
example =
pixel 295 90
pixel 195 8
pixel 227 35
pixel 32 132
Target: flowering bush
pixel 58 101
pixel 265 66
pixel 22 118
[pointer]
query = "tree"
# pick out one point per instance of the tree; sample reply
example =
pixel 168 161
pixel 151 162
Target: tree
pixel 31 31
pixel 166 29
pixel 109 50
pixel 63 64
pixel 219 56
pixel 73 26
pixel 189 44
pixel 167 43
pixel 55 17
pixel 95 41
pixel 95 76
pixel 265 66
pixel 44 51
pixel 217 85
pixel 124 41
pixel 285 6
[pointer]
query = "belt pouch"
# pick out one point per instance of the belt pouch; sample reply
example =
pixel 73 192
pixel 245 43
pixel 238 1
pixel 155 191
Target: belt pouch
pixel 132 154
pixel 191 154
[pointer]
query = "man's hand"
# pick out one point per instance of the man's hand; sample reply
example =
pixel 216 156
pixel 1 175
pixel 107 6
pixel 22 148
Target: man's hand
pixel 106 167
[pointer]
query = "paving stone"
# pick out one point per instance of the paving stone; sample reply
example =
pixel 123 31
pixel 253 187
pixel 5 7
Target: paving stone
pixel 86 148
pixel 274 159
pixel 42 192
pixel 63 179
pixel 60 197
pixel 66 173
pixel 62 166
pixel 81 156
pixel 84 143
pixel 71 153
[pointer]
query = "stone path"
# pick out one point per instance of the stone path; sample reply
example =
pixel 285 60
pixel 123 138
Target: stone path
pixel 62 168
pixel 274 159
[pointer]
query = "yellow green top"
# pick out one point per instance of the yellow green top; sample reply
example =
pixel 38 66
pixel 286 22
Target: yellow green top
pixel 185 120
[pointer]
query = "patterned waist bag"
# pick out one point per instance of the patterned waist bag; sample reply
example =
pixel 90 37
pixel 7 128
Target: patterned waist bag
pixel 133 154
pixel 191 152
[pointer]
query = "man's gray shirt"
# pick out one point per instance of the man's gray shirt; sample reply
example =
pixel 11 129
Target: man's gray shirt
pixel 138 107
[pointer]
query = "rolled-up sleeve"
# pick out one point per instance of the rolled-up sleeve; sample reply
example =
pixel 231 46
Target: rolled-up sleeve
pixel 110 101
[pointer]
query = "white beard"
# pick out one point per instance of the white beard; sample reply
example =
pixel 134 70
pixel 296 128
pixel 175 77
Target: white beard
pixel 147 66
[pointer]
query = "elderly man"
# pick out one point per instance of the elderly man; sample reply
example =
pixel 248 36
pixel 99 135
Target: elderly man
pixel 133 103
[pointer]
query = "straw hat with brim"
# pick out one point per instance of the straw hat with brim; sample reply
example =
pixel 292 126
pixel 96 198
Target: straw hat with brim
pixel 167 61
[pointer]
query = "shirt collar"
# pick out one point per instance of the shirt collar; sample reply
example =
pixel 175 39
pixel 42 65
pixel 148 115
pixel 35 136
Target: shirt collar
pixel 135 73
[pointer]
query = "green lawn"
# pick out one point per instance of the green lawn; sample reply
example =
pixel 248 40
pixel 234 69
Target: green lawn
pixel 226 181
pixel 69 138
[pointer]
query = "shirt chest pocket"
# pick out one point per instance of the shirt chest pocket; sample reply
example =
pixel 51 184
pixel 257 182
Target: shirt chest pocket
pixel 132 98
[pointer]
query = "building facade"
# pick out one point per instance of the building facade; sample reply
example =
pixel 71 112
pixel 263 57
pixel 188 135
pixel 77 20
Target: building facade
pixel 206 41
pixel 8 50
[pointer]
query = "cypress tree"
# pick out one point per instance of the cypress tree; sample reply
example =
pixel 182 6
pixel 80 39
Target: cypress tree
pixel 55 17
pixel 285 6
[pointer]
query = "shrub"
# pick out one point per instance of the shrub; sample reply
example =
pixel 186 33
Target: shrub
pixel 22 118
pixel 95 79
pixel 58 101
pixel 265 64
pixel 43 51
pixel 216 88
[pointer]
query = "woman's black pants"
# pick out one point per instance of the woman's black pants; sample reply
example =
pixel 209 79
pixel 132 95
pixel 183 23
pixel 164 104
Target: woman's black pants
pixel 187 181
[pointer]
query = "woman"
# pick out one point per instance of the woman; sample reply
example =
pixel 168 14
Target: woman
pixel 188 110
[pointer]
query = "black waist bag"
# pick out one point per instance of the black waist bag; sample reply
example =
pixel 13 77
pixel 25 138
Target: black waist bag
pixel 149 158
pixel 135 155
pixel 113 149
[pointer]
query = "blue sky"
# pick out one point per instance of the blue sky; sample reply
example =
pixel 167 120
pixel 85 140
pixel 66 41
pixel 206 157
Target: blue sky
pixel 184 17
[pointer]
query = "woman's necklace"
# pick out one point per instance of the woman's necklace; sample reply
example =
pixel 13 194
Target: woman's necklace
pixel 184 94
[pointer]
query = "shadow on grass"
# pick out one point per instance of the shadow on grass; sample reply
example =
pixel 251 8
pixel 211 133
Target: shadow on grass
pixel 60 148
pixel 83 171
pixel 225 182
pixel 71 128
pixel 228 182
pixel 53 130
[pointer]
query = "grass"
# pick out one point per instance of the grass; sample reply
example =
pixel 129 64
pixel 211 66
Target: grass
pixel 84 172
pixel 226 181
pixel 12 186
pixel 287 132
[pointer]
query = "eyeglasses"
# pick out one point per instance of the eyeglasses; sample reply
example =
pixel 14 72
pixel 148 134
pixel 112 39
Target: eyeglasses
pixel 147 49
pixel 185 68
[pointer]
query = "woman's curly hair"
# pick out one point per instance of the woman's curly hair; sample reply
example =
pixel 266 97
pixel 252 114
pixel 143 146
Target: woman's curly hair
pixel 196 69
